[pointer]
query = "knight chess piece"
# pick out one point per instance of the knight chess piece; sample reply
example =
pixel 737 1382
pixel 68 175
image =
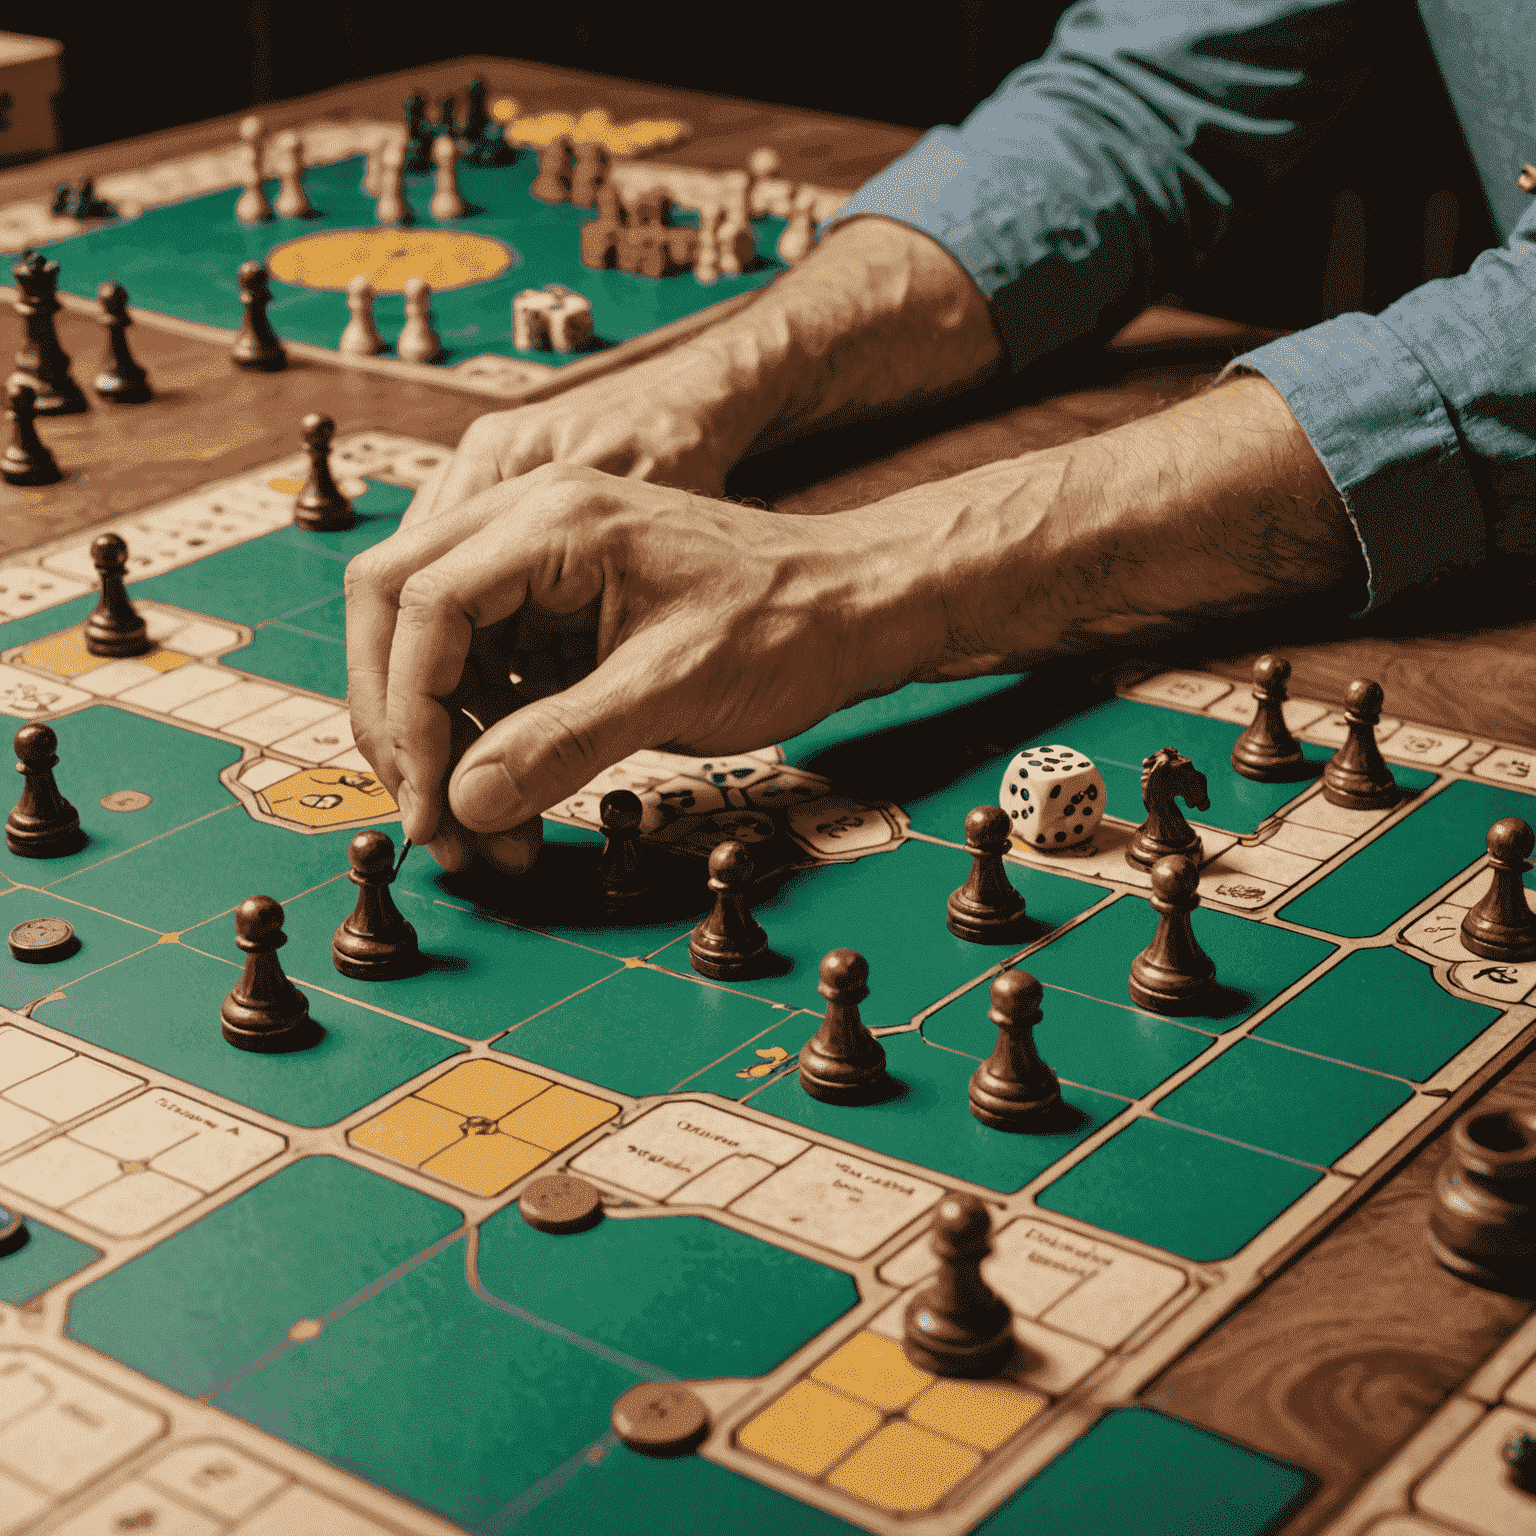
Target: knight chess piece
pixel 256 344
pixel 264 1011
pixel 120 380
pixel 1482 1220
pixel 986 909
pixel 958 1325
pixel 27 460
pixel 1166 777
pixel 42 362
pixel 43 824
pixel 1502 925
pixel 320 507
pixel 1267 752
pixel 729 943
pixel 1173 974
pixel 1013 1089
pixel 620 873
pixel 375 943
pixel 1356 777
pixel 842 1063
pixel 115 627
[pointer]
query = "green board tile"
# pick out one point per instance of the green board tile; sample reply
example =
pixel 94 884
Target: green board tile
pixel 1179 1190
pixel 1179 1480
pixel 749 1067
pixel 47 1257
pixel 162 1008
pixel 103 940
pixel 299 657
pixel 211 1299
pixel 251 583
pixel 1382 1009
pixel 1371 890
pixel 325 618
pixel 48 621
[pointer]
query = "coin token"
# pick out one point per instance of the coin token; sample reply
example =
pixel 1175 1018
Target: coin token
pixel 13 1231
pixel 660 1418
pixel 40 940
pixel 125 800
pixel 561 1203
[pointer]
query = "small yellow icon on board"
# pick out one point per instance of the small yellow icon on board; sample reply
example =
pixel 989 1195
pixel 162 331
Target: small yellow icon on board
pixel 326 797
pixel 772 1056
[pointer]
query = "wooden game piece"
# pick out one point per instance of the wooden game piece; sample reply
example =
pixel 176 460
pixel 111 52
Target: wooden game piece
pixel 292 199
pixel 42 941
pixel 589 174
pixel 561 1203
pixel 417 147
pixel 1502 925
pixel 1519 1451
pixel 446 201
pixel 706 264
pixel 419 341
pixel 1166 777
pixel 256 344
pixel 986 909
pixel 762 165
pixel 253 207
pixel 799 238
pixel 120 380
pixel 1267 752
pixel 446 123
pixel 1013 1089
pixel 264 1011
pixel 13 1231
pixel 115 627
pixel 553 183
pixel 42 362
pixel 842 1063
pixel 361 336
pixel 477 122
pixel 85 204
pixel 375 943
pixel 43 824
pixel 373 170
pixel 1173 974
pixel 392 207
pixel 1526 180
pixel 320 506
pixel 958 1325
pixel 1356 777
pixel 729 943
pixel 1482 1218
pixel 620 873
pixel 660 1418
pixel 27 460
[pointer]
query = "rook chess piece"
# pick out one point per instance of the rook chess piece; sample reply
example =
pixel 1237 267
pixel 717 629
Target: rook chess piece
pixel 256 345
pixel 265 1012
pixel 1013 1090
pixel 1502 926
pixel 1356 778
pixel 1482 1217
pixel 986 909
pixel 361 337
pixel 42 362
pixel 120 380
pixel 27 460
pixel 1173 974
pixel 419 341
pixel 292 200
pixel 1267 752
pixel 115 627
pixel 842 1063
pixel 253 207
pixel 446 201
pixel 392 207
pixel 43 825
pixel 1167 777
pixel 958 1325
pixel 620 874
pixel 375 943
pixel 321 508
pixel 729 943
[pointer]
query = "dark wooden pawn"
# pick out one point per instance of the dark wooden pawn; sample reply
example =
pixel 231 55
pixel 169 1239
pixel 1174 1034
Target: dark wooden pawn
pixel 42 361
pixel 115 627
pixel 729 943
pixel 842 1063
pixel 1502 926
pixel 321 508
pixel 375 943
pixel 120 380
pixel 1013 1090
pixel 986 909
pixel 1173 974
pixel 418 135
pixel 265 1012
pixel 1519 1453
pixel 1356 777
pixel 43 825
pixel 958 1325
pixel 256 344
pixel 1482 1218
pixel 27 460
pixel 1267 752
pixel 620 874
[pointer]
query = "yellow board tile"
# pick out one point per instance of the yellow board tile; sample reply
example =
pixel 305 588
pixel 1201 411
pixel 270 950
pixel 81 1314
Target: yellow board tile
pixel 485 1165
pixel 807 1429
pixel 64 655
pixel 904 1469
pixel 484 1088
pixel 410 1131
pixel 979 1413
pixel 326 797
pixel 555 1119
pixel 873 1369
pixel 164 661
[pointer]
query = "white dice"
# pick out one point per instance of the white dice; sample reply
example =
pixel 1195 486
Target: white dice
pixel 1054 797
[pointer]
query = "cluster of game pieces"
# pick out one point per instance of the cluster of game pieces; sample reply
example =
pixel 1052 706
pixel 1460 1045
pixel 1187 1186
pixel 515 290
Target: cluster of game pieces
pixel 80 201
pixel 480 140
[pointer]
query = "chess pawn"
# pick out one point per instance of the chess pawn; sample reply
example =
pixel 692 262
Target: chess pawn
pixel 264 1011
pixel 292 200
pixel 1482 1219
pixel 361 336
pixel 553 183
pixel 1013 1090
pixel 417 146
pixel 476 121
pixel 42 361
pixel 842 1063
pixel 43 825
pixel 392 207
pixel 256 344
pixel 620 874
pixel 446 201
pixel 986 909
pixel 706 264
pixel 1502 925
pixel 589 174
pixel 729 942
pixel 1267 752
pixel 1356 778
pixel 762 165
pixel 799 237
pixel 27 460
pixel 321 508
pixel 115 628
pixel 419 342
pixel 373 170
pixel 1173 974
pixel 958 1325
pixel 375 943
pixel 253 207
pixel 121 380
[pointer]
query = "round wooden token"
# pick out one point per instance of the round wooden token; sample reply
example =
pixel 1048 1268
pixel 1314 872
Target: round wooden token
pixel 13 1231
pixel 125 800
pixel 40 940
pixel 661 1418
pixel 561 1203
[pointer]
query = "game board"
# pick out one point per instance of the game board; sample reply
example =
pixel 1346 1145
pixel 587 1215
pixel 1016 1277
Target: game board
pixel 294 1294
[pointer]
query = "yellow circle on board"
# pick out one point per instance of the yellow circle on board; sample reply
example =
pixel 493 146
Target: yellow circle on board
pixel 504 109
pixel 446 258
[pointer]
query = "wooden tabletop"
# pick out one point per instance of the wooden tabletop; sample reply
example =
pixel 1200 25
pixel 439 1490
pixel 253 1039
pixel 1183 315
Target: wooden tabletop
pixel 1349 1349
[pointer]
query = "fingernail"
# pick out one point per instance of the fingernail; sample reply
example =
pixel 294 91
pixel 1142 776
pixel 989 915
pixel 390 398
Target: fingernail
pixel 486 797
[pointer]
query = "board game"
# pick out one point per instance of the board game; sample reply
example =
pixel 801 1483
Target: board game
pixel 295 1294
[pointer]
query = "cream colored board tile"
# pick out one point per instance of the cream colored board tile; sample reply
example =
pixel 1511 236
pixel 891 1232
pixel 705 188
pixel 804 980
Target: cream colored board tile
pixel 1509 765
pixel 265 772
pixel 25 589
pixel 1315 811
pixel 138 1507
pixel 1468 760
pixel 1470 1490
pixel 282 719
pixel 1104 855
pixel 1498 981
pixel 1433 748
pixel 72 1088
pixel 785 787
pixel 204 639
pixel 19 1125
pixel 161 623
pixel 139 1129
pixel 1239 707
pixel 179 1136
pixel 58 1172
pixel 1235 888
pixel 836 826
pixel 229 704
pixel 170 690
pixel 19 1505
pixel 910 1264
pixel 1266 862
pixel 1407 1525
pixel 1521 1392
pixel 1476 888
pixel 117 677
pixel 215 1477
pixel 727 772
pixel 214 1157
pixel 133 1203
pixel 25 696
pixel 1189 690
pixel 353 759
pixel 1333 730
pixel 24 1055
pixel 303 1512
pixel 319 742
pixel 722 1183
pixel 1310 842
